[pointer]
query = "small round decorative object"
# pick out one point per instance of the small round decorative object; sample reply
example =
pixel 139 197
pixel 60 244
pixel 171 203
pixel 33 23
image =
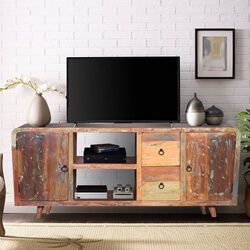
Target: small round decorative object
pixel 214 116
pixel 195 112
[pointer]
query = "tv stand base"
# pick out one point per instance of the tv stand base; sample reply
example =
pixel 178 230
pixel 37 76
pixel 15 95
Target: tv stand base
pixel 47 209
pixel 178 167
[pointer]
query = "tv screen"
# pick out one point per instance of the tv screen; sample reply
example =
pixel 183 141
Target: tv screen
pixel 123 89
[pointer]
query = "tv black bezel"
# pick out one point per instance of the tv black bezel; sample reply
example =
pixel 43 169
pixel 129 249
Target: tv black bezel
pixel 127 121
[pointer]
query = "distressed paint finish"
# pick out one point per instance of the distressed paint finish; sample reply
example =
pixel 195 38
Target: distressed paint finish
pixel 40 157
pixel 221 165
pixel 160 183
pixel 154 133
pixel 160 149
pixel 138 172
pixel 72 173
pixel 210 156
pixel 183 167
pixel 196 159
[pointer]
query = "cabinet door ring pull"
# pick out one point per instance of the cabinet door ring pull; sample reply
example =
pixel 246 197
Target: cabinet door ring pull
pixel 64 169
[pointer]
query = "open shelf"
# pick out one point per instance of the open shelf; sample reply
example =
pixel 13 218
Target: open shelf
pixel 79 164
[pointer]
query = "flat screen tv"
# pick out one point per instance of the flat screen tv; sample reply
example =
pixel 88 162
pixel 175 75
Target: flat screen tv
pixel 123 89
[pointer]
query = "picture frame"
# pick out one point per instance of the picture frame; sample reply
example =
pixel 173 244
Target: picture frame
pixel 214 53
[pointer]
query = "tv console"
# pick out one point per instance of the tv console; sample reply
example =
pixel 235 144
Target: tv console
pixel 173 166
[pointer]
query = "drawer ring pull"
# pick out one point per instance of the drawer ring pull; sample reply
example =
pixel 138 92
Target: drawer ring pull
pixel 161 185
pixel 161 152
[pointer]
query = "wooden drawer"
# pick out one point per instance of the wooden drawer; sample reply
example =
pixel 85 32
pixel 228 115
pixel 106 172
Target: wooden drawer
pixel 160 149
pixel 160 183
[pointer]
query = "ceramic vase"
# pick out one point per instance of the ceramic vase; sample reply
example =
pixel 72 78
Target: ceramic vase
pixel 38 113
pixel 195 112
pixel 214 116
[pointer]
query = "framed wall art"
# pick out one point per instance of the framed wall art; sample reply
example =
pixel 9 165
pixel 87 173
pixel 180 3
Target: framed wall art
pixel 214 53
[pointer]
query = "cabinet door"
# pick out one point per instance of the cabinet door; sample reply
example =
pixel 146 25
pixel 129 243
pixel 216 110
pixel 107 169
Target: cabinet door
pixel 210 166
pixel 42 166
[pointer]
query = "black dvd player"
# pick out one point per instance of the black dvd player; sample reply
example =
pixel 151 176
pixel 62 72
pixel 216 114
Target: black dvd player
pixel 90 156
pixel 106 147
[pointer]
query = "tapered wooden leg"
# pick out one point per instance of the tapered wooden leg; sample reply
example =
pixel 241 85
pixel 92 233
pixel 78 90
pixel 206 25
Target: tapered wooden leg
pixel 203 210
pixel 48 209
pixel 39 212
pixel 212 211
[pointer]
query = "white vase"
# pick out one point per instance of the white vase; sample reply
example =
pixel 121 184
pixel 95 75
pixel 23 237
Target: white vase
pixel 38 113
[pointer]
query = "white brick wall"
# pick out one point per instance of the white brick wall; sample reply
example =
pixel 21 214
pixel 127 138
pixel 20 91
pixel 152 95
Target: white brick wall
pixel 36 36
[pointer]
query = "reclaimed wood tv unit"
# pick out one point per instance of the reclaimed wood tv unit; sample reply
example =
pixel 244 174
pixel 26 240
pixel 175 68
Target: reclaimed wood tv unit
pixel 174 166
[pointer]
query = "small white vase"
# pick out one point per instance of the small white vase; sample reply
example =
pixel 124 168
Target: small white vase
pixel 38 113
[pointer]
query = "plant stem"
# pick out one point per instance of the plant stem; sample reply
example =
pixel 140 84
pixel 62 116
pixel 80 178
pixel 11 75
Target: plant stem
pixel 20 82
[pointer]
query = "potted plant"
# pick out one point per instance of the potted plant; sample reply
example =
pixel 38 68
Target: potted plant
pixel 38 113
pixel 243 119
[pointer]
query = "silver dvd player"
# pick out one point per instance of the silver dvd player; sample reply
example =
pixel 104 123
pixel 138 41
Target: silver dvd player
pixel 91 192
pixel 92 195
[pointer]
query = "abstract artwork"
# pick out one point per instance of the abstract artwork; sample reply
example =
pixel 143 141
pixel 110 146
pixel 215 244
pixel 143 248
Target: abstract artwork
pixel 214 53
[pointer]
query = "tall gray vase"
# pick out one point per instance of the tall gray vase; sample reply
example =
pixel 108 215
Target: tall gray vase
pixel 38 113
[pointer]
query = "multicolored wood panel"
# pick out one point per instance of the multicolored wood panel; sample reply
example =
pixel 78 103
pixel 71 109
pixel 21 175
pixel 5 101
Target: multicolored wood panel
pixel 210 166
pixel 37 161
pixel 42 166
pixel 160 149
pixel 221 166
pixel 160 183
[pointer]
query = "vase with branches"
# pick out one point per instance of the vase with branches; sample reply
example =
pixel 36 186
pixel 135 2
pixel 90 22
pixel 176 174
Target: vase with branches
pixel 39 89
pixel 38 113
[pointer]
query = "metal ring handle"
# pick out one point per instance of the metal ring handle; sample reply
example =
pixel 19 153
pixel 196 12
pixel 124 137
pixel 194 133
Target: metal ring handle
pixel 161 152
pixel 189 168
pixel 161 185
pixel 64 169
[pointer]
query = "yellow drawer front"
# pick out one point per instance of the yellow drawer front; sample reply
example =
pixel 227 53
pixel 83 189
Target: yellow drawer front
pixel 160 149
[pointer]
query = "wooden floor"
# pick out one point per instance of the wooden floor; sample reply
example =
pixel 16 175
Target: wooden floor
pixel 126 218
